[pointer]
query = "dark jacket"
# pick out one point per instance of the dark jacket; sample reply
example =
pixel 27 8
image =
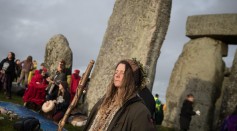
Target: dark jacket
pixel 148 99
pixel 186 114
pixel 10 71
pixel 59 76
pixel 132 116
pixel 64 105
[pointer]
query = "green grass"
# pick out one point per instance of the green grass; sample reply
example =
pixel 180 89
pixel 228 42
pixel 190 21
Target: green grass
pixel 15 99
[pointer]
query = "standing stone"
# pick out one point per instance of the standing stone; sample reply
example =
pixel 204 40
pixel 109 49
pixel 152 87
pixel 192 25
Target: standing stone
pixel 136 29
pixel 229 100
pixel 199 70
pixel 57 49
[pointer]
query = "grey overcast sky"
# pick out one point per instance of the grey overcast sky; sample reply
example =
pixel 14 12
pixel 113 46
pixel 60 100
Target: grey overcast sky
pixel 27 25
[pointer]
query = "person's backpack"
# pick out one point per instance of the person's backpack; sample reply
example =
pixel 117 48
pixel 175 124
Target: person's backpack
pixel 27 124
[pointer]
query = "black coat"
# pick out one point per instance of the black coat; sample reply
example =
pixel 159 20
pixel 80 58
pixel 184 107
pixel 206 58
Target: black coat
pixel 186 114
pixel 64 105
pixel 11 69
pixel 148 99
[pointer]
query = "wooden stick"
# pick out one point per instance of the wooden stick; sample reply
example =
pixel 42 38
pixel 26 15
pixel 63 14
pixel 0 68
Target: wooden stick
pixel 80 87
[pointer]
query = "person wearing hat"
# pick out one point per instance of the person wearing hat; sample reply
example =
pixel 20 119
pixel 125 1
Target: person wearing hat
pixel 187 112
pixel 74 83
pixel 121 108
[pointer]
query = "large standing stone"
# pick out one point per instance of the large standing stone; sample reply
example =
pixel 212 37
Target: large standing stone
pixel 229 100
pixel 136 29
pixel 57 49
pixel 218 26
pixel 199 70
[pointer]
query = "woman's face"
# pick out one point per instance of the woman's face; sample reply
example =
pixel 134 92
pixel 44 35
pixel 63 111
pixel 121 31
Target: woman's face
pixel 61 87
pixel 191 99
pixel 9 56
pixel 119 74
pixel 18 62
pixel 59 68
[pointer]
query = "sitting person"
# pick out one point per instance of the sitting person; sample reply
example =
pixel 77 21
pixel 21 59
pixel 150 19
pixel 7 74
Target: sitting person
pixel 60 75
pixel 61 103
pixel 74 83
pixel 34 95
pixel 121 109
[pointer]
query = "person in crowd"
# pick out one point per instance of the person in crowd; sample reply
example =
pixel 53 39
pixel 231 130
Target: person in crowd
pixel 7 74
pixel 18 68
pixel 159 114
pixel 26 68
pixel 158 102
pixel 42 67
pixel 230 123
pixel 121 108
pixel 187 112
pixel 62 102
pixel 74 83
pixel 35 94
pixel 60 75
pixel 31 73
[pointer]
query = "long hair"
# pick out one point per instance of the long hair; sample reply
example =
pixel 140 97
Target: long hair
pixel 29 59
pixel 128 87
pixel 13 56
pixel 65 87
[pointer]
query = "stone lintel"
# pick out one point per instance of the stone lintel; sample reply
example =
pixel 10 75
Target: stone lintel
pixel 217 26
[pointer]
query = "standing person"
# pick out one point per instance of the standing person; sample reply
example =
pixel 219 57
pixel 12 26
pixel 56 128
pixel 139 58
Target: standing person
pixel 187 113
pixel 121 109
pixel 32 71
pixel 74 83
pixel 230 123
pixel 26 68
pixel 158 102
pixel 7 73
pixel 55 80
pixel 18 68
pixel 159 115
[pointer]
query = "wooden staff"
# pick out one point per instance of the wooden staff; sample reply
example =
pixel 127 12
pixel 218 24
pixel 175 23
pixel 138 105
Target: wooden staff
pixel 80 87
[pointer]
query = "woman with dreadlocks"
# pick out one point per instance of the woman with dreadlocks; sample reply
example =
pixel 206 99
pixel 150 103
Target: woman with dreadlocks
pixel 121 108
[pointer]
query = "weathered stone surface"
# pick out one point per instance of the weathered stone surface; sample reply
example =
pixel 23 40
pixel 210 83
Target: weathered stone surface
pixel 57 49
pixel 218 26
pixel 218 111
pixel 200 71
pixel 136 29
pixel 229 100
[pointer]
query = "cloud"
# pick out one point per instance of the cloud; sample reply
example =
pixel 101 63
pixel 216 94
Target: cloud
pixel 27 25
